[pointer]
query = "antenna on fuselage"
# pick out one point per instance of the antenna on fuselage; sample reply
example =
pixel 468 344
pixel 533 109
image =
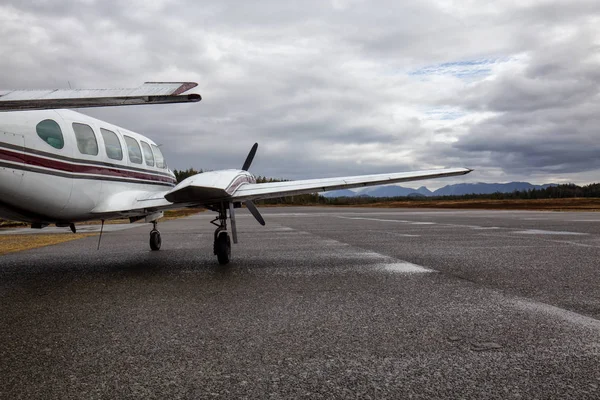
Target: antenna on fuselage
pixel 100 237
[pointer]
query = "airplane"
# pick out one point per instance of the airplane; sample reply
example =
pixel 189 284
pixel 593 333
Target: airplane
pixel 59 166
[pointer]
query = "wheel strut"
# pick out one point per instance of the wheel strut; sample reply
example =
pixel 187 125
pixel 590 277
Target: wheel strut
pixel 222 242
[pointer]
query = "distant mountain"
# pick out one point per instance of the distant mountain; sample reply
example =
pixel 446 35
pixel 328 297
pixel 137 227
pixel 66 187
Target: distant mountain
pixel 424 191
pixel 339 193
pixel 486 188
pixel 388 191
pixel 449 190
pixel 379 191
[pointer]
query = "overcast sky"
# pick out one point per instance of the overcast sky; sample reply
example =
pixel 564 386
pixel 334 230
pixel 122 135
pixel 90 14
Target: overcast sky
pixel 341 87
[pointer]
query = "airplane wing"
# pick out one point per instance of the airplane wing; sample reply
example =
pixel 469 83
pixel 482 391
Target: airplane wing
pixel 134 203
pixel 148 93
pixel 251 191
pixel 213 187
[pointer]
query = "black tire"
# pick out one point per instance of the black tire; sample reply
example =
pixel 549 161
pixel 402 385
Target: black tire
pixel 155 240
pixel 223 248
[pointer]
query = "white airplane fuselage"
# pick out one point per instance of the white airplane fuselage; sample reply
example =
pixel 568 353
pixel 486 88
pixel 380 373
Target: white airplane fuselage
pixel 45 181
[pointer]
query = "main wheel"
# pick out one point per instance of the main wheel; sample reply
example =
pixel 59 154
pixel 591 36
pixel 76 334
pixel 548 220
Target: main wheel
pixel 155 240
pixel 223 248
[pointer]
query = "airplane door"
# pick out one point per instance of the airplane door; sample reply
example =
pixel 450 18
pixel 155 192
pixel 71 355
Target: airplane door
pixel 12 163
pixel 46 186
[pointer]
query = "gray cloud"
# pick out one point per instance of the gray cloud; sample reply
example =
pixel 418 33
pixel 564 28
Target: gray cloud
pixel 341 87
pixel 545 112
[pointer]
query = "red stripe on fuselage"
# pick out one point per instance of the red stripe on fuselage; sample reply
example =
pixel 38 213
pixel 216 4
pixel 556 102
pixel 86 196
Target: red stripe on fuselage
pixel 80 169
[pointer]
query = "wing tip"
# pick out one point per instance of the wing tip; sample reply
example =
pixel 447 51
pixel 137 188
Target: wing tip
pixel 183 86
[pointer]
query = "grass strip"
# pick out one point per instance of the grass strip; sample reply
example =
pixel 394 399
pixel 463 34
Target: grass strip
pixel 14 243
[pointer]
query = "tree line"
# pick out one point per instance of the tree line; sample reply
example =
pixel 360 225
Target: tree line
pixel 552 192
pixel 569 190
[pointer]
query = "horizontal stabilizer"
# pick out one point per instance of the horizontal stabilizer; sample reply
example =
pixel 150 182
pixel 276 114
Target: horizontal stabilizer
pixel 148 93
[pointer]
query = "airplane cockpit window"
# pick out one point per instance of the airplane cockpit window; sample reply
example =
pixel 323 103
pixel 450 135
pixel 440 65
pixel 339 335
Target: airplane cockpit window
pixel 133 149
pixel 147 154
pixel 50 133
pixel 160 160
pixel 86 140
pixel 113 146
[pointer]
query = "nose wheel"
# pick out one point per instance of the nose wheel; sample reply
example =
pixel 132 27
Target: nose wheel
pixel 222 243
pixel 222 247
pixel 155 240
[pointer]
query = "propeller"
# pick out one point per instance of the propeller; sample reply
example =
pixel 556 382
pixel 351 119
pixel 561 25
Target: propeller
pixel 250 157
pixel 249 204
pixel 254 211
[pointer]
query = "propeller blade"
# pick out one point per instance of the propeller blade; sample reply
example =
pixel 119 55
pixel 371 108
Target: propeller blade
pixel 250 157
pixel 254 211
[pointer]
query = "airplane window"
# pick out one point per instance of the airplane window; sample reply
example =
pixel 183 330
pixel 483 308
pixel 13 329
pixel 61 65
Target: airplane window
pixel 160 160
pixel 147 154
pixel 86 140
pixel 133 148
pixel 50 133
pixel 113 146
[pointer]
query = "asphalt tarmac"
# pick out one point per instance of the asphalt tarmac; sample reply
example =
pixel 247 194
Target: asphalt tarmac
pixel 321 303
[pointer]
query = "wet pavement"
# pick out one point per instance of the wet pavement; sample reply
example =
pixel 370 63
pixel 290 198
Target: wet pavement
pixel 320 303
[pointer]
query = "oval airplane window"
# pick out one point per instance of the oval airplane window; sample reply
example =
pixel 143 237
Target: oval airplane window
pixel 160 160
pixel 50 133
pixel 133 149
pixel 113 146
pixel 86 140
pixel 147 154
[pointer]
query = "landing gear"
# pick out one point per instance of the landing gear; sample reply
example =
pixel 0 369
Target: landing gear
pixel 155 240
pixel 222 243
pixel 223 248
